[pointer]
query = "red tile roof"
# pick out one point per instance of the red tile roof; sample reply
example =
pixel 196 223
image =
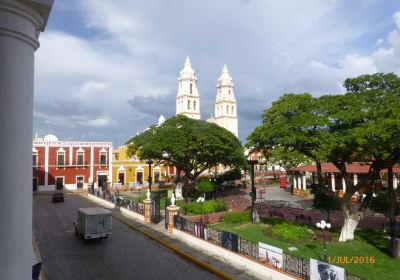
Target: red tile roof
pixel 355 167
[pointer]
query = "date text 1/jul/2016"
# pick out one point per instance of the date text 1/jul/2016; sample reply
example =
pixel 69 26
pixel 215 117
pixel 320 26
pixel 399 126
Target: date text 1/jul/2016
pixel 351 259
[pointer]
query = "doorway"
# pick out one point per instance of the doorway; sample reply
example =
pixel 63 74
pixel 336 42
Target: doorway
pixel 79 182
pixel 121 178
pixel 102 181
pixel 139 177
pixel 59 183
pixel 35 184
pixel 156 176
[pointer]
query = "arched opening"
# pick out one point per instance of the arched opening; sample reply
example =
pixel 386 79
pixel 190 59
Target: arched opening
pixel 188 104
pixel 194 105
pixel 191 88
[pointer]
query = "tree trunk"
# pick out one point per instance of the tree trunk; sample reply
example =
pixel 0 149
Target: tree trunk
pixel 392 214
pixel 350 224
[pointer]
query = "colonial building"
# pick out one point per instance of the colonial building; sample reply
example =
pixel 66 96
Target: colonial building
pixel 188 98
pixel 59 165
pixel 130 172
pixel 304 177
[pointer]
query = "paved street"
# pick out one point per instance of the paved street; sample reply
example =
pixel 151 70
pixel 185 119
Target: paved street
pixel 126 255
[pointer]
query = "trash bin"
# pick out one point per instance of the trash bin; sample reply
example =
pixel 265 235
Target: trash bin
pixel 282 182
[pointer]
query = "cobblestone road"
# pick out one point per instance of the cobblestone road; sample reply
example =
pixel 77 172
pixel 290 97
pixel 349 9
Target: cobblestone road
pixel 126 255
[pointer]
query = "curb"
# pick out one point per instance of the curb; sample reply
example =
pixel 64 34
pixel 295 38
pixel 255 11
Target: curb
pixel 179 252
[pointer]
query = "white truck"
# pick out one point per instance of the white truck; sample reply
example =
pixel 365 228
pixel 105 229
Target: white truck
pixel 93 222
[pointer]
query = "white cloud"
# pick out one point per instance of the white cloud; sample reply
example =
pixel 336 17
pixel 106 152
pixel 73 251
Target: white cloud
pixel 73 121
pixel 322 78
pixel 93 87
pixel 136 50
pixel 388 59
pixel 396 17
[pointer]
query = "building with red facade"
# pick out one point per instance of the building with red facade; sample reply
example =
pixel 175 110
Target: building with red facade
pixel 70 165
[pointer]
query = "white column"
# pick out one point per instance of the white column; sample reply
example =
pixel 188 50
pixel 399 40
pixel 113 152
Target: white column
pixel 46 165
pixel 70 156
pixel 355 179
pixel 299 182
pixel 304 182
pixel 333 182
pixel 395 182
pixel 344 185
pixel 92 162
pixel 294 181
pixel 20 24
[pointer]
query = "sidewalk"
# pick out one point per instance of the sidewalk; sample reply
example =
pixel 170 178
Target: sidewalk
pixel 226 264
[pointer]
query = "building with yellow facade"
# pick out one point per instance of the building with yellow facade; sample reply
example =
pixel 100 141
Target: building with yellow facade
pixel 131 172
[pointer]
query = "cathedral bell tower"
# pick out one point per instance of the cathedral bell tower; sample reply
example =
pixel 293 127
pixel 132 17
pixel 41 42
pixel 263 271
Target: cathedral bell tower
pixel 188 99
pixel 225 104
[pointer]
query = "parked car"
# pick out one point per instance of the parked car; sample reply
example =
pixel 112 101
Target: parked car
pixel 58 196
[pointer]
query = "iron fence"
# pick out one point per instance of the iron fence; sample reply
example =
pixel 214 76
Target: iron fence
pixel 295 266
pixel 117 200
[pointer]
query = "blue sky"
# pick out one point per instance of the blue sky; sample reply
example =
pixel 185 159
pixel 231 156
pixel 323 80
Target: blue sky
pixel 107 69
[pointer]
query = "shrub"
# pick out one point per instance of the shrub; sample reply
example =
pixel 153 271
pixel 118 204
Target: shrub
pixel 289 231
pixel 208 206
pixel 204 185
pixel 238 217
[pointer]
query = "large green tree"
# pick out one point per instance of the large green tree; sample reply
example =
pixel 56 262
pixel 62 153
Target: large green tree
pixel 192 146
pixel 285 157
pixel 293 123
pixel 377 129
pixel 361 125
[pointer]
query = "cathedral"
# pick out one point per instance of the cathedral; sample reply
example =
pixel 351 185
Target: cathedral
pixel 188 98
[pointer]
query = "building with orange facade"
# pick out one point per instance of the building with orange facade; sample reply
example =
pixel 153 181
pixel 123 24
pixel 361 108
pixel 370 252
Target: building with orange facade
pixel 70 165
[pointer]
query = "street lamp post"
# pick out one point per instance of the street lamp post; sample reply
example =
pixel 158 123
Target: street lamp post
pixel 253 191
pixel 323 225
pixel 201 200
pixel 149 162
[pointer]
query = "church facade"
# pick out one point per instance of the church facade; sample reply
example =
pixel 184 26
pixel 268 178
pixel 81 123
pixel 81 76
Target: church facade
pixel 188 98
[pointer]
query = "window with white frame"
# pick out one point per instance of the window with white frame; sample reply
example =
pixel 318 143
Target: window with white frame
pixel 61 158
pixel 80 157
pixel 103 158
pixel 35 159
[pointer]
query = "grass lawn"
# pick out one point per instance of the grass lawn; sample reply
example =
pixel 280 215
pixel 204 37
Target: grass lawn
pixel 140 196
pixel 368 243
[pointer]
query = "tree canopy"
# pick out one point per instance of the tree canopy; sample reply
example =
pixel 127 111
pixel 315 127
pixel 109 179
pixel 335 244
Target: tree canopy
pixel 361 125
pixel 292 124
pixel 192 146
